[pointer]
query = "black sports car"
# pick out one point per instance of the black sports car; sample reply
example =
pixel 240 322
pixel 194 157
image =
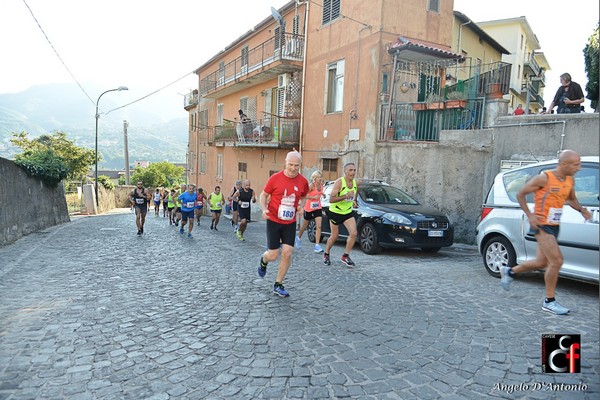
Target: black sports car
pixel 387 217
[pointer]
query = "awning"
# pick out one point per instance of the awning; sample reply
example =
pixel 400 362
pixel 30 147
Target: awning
pixel 417 50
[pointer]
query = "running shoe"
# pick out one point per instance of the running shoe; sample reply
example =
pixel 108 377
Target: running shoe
pixel 139 232
pixel 505 278
pixel 142 230
pixel 216 228
pixel 240 236
pixel 262 268
pixel 190 235
pixel 554 308
pixel 326 259
pixel 181 230
pixel 318 248
pixel 212 227
pixel 278 289
pixel 297 243
pixel 348 261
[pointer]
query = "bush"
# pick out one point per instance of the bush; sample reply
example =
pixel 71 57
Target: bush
pixel 45 165
pixel 106 182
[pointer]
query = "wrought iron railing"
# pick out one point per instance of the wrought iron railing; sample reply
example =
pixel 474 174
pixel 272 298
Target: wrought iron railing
pixel 424 121
pixel 285 47
pixel 271 131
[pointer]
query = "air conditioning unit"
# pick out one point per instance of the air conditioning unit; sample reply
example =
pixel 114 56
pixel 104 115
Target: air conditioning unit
pixel 283 80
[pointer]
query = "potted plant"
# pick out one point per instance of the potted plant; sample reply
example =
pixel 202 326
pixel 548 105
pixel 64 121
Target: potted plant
pixel 456 99
pixel 434 102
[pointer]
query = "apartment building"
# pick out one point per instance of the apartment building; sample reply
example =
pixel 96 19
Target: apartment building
pixel 528 80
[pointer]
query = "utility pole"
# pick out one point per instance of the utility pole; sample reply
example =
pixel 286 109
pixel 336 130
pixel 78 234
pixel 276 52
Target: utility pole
pixel 125 125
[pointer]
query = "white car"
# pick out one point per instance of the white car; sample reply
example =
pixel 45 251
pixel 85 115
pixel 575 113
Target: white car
pixel 502 233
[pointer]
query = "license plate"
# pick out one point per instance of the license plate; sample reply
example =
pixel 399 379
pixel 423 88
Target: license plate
pixel 435 233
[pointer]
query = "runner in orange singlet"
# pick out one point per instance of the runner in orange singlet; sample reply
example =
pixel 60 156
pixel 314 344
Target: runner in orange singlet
pixel 552 189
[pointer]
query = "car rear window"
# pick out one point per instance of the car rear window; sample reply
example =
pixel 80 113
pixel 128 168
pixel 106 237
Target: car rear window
pixel 515 180
pixel 586 185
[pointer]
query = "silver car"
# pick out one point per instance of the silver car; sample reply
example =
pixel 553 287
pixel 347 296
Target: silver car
pixel 502 233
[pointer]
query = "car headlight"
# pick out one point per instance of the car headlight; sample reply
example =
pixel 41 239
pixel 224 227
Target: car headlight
pixel 397 218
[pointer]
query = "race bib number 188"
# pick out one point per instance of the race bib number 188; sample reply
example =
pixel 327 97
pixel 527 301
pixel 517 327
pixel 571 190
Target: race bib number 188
pixel 286 213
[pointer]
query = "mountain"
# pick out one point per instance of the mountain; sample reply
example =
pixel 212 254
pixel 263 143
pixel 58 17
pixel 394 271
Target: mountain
pixel 152 135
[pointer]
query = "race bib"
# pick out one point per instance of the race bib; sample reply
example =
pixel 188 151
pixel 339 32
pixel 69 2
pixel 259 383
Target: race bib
pixel 314 205
pixel 554 215
pixel 286 213
pixel 244 204
pixel 189 204
pixel 199 203
pixel 140 201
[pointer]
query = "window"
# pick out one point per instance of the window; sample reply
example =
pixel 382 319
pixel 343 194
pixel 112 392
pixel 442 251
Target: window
pixel 433 5
pixel 331 10
pixel 335 86
pixel 203 119
pixel 586 185
pixel 271 172
pixel 221 73
pixel 203 162
pixel 244 104
pixel 330 169
pixel 521 41
pixel 242 170
pixel 219 166
pixel 244 60
pixel 279 37
pixel 384 83
pixel 296 25
pixel 220 114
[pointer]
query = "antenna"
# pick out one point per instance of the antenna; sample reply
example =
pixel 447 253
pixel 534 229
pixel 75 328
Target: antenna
pixel 276 15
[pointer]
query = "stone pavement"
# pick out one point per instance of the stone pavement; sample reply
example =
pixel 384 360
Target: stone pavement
pixel 88 310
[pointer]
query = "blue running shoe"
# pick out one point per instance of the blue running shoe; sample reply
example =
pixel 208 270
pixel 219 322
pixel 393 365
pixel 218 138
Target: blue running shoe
pixel 181 230
pixel 554 308
pixel 279 290
pixel 505 278
pixel 297 243
pixel 262 268
pixel 190 235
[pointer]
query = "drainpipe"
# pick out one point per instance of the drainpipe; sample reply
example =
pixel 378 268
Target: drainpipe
pixel 302 96
pixel 458 50
pixel 356 81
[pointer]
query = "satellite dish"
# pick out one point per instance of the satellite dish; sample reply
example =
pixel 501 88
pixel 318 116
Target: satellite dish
pixel 276 15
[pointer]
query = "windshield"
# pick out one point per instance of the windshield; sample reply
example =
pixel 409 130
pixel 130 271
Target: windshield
pixel 385 195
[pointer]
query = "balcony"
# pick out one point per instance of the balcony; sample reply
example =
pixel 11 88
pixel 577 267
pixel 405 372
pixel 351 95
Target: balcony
pixel 531 67
pixel 274 132
pixel 278 55
pixel 190 100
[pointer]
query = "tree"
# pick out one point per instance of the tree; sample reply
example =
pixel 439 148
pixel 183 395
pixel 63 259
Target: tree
pixel 158 174
pixel 76 159
pixel 591 53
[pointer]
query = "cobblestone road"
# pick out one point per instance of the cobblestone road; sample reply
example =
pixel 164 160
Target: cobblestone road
pixel 88 310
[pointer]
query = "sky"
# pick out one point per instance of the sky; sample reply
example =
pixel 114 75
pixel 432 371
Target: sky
pixel 147 45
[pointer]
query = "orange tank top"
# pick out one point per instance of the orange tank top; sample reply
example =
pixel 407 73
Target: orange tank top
pixel 314 204
pixel 550 199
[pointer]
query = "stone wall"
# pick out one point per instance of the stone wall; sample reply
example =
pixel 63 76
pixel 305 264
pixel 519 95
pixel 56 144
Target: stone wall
pixel 27 205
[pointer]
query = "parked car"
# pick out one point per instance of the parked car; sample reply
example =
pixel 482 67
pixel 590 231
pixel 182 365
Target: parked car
pixel 387 217
pixel 502 233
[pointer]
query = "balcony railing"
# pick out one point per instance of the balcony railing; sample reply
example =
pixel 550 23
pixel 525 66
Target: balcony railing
pixel 190 99
pixel 268 132
pixel 287 47
pixel 424 121
pixel 533 65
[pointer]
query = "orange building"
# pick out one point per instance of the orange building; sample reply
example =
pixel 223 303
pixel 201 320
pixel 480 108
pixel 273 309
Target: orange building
pixel 318 76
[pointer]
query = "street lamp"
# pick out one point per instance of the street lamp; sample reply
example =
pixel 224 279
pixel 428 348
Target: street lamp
pixel 97 116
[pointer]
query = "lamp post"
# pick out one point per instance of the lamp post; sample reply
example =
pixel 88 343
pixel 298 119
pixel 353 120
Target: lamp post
pixel 97 116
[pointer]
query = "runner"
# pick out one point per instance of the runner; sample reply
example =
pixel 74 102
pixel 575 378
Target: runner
pixel 139 199
pixel 243 197
pixel 182 189
pixel 235 215
pixel 216 201
pixel 342 199
pixel 551 190
pixel 313 210
pixel 199 204
pixel 280 200
pixel 171 207
pixel 188 203
pixel 156 201
pixel 165 201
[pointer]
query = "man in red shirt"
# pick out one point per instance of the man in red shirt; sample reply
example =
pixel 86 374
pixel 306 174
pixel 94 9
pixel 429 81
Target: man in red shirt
pixel 519 110
pixel 280 200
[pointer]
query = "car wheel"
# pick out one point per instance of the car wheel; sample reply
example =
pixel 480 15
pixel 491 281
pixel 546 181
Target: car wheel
pixel 431 249
pixel 311 230
pixel 368 239
pixel 497 253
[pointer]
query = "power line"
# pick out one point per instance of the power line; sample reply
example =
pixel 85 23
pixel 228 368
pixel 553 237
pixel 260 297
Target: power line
pixel 56 52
